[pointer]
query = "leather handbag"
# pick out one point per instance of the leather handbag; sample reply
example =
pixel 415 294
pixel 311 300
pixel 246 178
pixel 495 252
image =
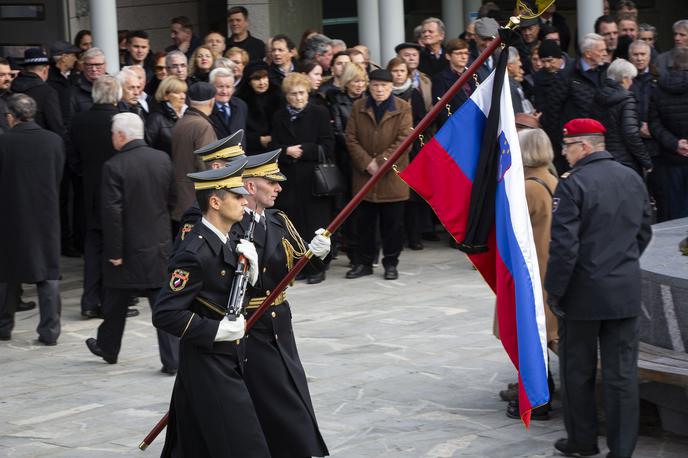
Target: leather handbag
pixel 328 179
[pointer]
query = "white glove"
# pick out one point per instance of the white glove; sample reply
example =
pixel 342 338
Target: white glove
pixel 248 249
pixel 230 330
pixel 320 245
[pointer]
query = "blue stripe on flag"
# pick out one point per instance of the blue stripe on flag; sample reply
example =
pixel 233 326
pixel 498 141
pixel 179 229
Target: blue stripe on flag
pixel 462 136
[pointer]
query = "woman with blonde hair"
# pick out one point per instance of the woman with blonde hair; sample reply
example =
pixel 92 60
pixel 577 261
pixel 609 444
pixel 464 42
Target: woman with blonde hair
pixel 171 97
pixel 201 63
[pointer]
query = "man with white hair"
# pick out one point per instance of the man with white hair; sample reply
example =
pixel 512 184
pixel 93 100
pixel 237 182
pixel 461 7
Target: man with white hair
pixel 131 91
pixel 193 131
pixel 93 65
pixel 177 65
pixel 229 113
pixel 586 77
pixel 137 193
pixel 665 61
pixel 432 57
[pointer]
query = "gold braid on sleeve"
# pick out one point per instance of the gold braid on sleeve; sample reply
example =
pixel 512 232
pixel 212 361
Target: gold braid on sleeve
pixel 292 252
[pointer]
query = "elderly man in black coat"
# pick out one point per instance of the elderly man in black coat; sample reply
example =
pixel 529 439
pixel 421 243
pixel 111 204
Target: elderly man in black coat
pixel 229 113
pixel 31 162
pixel 600 227
pixel 137 195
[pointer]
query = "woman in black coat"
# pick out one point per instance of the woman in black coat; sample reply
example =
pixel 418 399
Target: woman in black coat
pixel 314 71
pixel 302 130
pixel 263 100
pixel 616 108
pixel 171 96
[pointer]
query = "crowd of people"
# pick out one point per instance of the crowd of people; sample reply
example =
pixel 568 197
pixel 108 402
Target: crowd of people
pixel 176 112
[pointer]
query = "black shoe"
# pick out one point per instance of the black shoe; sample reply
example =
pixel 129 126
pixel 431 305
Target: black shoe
pixel 301 276
pixel 25 306
pixel 453 244
pixel 512 385
pixel 93 313
pixel 571 449
pixel 134 302
pixel 315 279
pixel 391 273
pixel 46 342
pixel 5 336
pixel 359 270
pixel 430 237
pixel 92 345
pixel 539 414
pixel 510 394
pixel 168 371
pixel 611 455
pixel 132 312
pixel 416 246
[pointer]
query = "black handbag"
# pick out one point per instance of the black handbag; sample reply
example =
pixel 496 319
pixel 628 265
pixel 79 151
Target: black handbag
pixel 328 179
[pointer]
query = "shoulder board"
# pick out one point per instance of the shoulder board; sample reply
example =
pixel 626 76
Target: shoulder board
pixel 565 175
pixel 195 242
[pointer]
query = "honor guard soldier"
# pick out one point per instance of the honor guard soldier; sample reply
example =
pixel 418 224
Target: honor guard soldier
pixel 211 412
pixel 600 227
pixel 215 155
pixel 273 373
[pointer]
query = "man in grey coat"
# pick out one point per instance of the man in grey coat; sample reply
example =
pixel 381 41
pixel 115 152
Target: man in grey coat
pixel 137 194
pixel 31 162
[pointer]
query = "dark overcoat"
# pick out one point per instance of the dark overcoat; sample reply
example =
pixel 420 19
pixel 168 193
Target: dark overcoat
pixel 274 374
pixel 91 139
pixel 137 196
pixel 600 227
pixel 31 164
pixel 237 120
pixel 211 412
pixel 311 129
pixel 48 108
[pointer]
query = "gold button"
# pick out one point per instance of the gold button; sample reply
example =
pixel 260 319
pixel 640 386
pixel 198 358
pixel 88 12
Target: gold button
pixel 223 272
pixel 274 314
pixel 200 236
pixel 238 341
pixel 267 293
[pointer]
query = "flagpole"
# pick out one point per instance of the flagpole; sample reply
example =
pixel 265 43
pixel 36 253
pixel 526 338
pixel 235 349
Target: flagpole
pixel 354 202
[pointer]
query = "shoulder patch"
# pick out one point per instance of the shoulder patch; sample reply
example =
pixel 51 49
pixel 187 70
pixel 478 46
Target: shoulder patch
pixel 555 204
pixel 185 230
pixel 178 280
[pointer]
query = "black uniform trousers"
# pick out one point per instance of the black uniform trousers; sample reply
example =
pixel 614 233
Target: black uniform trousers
pixel 92 296
pixel 391 217
pixel 110 331
pixel 618 343
pixel 49 305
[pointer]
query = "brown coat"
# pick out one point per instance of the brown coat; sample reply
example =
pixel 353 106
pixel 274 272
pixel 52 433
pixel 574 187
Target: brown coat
pixel 366 139
pixel 191 132
pixel 540 210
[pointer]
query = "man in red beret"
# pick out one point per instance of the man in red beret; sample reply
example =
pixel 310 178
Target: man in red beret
pixel 600 227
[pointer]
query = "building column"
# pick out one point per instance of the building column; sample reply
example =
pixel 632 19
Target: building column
pixel 452 16
pixel 104 29
pixel 369 27
pixel 588 11
pixel 470 8
pixel 391 28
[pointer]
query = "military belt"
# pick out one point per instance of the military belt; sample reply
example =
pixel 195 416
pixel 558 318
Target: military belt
pixel 255 302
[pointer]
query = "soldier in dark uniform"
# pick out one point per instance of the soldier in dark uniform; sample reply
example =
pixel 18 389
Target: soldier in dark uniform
pixel 274 374
pixel 211 412
pixel 600 227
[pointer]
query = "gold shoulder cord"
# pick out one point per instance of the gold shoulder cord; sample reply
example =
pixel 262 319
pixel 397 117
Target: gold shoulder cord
pixel 289 249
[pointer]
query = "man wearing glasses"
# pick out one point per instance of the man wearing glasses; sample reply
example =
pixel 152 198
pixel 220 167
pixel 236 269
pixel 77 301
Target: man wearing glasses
pixel 177 65
pixel 79 96
pixel 600 227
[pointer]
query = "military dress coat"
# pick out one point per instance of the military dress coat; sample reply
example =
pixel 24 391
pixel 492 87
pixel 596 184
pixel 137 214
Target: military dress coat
pixel 31 164
pixel 600 227
pixel 274 374
pixel 211 412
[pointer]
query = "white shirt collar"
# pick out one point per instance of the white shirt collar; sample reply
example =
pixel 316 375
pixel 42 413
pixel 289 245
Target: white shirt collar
pixel 252 212
pixel 217 232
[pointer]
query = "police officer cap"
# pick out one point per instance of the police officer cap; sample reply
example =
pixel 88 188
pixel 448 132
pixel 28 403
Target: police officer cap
pixel 486 27
pixel 265 166
pixel 225 148
pixel 228 178
pixel 407 45
pixel 583 126
pixel 201 92
pixel 549 48
pixel 380 74
pixel 35 56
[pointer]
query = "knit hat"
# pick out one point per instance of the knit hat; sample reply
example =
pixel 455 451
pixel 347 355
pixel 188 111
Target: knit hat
pixel 549 48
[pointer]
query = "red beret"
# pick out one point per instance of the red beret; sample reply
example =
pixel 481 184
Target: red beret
pixel 583 126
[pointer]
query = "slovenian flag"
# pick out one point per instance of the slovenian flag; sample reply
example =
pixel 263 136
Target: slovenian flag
pixel 445 172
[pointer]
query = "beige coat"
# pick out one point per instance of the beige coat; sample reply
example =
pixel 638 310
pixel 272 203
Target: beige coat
pixel 367 140
pixel 540 209
pixel 191 132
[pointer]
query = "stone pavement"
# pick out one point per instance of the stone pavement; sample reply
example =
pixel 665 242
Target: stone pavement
pixel 405 368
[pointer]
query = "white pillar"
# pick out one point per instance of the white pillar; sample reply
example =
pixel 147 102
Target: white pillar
pixel 452 16
pixel 588 12
pixel 391 28
pixel 104 29
pixel 470 8
pixel 369 27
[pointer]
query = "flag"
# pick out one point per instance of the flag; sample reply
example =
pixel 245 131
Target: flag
pixel 446 173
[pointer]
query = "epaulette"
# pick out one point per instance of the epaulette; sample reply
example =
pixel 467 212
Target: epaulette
pixel 565 175
pixel 292 252
pixel 194 244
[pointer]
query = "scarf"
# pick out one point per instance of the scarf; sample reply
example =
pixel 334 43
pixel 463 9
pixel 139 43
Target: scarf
pixel 397 90
pixel 294 113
